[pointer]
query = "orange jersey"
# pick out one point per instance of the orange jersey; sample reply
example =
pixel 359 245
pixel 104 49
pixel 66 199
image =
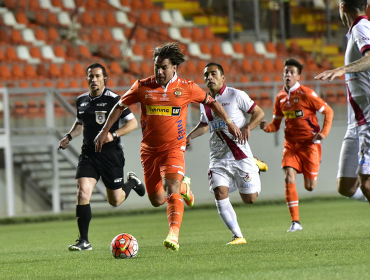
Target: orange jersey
pixel 164 110
pixel 299 108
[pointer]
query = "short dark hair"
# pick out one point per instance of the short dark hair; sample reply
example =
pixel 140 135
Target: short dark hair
pixel 97 65
pixel 170 51
pixel 296 63
pixel 219 67
pixel 355 5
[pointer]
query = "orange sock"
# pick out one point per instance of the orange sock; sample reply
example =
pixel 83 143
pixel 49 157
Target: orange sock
pixel 183 188
pixel 291 198
pixel 175 211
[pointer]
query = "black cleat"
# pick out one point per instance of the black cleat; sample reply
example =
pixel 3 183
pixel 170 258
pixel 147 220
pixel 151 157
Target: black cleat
pixel 81 245
pixel 139 186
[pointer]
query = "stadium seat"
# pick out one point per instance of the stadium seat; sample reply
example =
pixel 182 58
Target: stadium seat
pixel 216 51
pixel 279 65
pixel 179 21
pixel 115 69
pixel 11 55
pixel 175 35
pixel 261 50
pixel 22 19
pixel 87 20
pixel 79 70
pixel 156 20
pixel 30 72
pixel 29 37
pixel 2 55
pixel 53 34
pixel 24 54
pixel 36 84
pixel 18 110
pixel 117 4
pixel 46 4
pixel 16 37
pixel 257 66
pixel 47 84
pixel 138 52
pixel 123 20
pixel 148 51
pixel 58 4
pixel 246 66
pixel 84 51
pixel 270 47
pixel 59 52
pixel 266 78
pixel 185 33
pixel 134 68
pixel 17 72
pixel 166 16
pixel 197 34
pixel 54 71
pixel 66 70
pixel 268 66
pixel 48 53
pixel 281 49
pixel 244 79
pixel 330 97
pixel 61 84
pixel 107 36
pixel 4 37
pixel 5 73
pixel 146 69
pixel 265 100
pixel 41 35
pixel 104 5
pixel 64 19
pixel 194 50
pixel 204 48
pixel 249 50
pixel 95 36
pixel 69 4
pixel 115 52
pixel 10 21
pixel 209 36
pixel 341 97
pixel 118 34
pixel 227 49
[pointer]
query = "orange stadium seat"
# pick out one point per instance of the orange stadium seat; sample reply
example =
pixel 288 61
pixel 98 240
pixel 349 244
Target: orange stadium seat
pixel 155 19
pixel 279 65
pixel 30 72
pixel 59 52
pixel 84 51
pixel 134 68
pixel 22 18
pixel 41 35
pixel 40 18
pixel 244 79
pixel 86 19
pixel 330 97
pixel 115 51
pixel 265 101
pixel 281 49
pixel 52 19
pixel 94 36
pixel 16 37
pixel 341 97
pixel 191 66
pixel 137 50
pixel 34 5
pixel 103 5
pixel 115 69
pixel 146 69
pixel 208 35
pixel 197 34
pixel 48 84
pixel 11 55
pixel 54 71
pixel 278 78
pixel 23 84
pixel 268 66
pixel 246 66
pixel 4 37
pixel 2 56
pixel 79 70
pixel 249 50
pixel 84 84
pixel 149 5
pixel 185 33
pixel 144 18
pixel 73 84
pixel 66 70
pixel 36 53
pixel 17 72
pixel 140 35
pixel 72 52
pixel 99 19
pixel 216 51
pixel 91 5
pixel 15 5
pixel 106 36
pixel 270 47
pixel 58 3
pixel 136 5
pixel 163 35
pixel 42 71
pixel 18 109
pixel 110 19
pixel 257 66
pixel 266 78
pixel 238 48
pixel 53 34
pixel 33 110
pixel 61 84
pixel 36 84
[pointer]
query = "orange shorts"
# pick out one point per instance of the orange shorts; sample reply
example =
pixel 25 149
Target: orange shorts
pixel 157 166
pixel 303 157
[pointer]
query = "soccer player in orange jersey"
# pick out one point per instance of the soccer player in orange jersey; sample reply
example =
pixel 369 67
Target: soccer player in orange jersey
pixel 164 99
pixel 302 147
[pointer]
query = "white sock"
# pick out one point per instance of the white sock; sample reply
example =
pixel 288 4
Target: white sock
pixel 359 196
pixel 228 216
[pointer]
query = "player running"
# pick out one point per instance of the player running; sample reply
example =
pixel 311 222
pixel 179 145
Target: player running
pixel 354 159
pixel 232 165
pixel 302 147
pixel 164 99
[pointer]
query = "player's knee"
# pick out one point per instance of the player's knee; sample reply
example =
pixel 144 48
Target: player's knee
pixel 82 195
pixel 289 180
pixel 249 200
pixel 310 188
pixel 114 203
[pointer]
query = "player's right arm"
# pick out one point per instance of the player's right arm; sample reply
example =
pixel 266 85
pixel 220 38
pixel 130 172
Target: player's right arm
pixel 76 130
pixel 199 130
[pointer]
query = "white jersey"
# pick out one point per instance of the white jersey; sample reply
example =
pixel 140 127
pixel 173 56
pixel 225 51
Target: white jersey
pixel 222 146
pixel 358 84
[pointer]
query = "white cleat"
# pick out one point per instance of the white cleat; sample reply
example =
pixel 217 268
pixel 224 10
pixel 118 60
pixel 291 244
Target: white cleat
pixel 295 226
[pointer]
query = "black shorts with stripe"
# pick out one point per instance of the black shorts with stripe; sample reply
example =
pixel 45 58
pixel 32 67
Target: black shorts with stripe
pixel 108 165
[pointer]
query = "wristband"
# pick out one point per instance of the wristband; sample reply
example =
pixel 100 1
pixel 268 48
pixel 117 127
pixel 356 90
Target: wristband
pixel 115 136
pixel 228 121
pixel 69 136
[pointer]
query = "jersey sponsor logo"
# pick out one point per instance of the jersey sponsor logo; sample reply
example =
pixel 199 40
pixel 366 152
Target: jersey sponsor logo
pixel 100 116
pixel 296 100
pixel 247 178
pixel 177 91
pixel 180 130
pixel 149 96
pixel 164 98
pixel 101 104
pixel 157 110
pixel 225 104
pixel 293 114
pixel 216 125
pixel 84 104
pixel 151 90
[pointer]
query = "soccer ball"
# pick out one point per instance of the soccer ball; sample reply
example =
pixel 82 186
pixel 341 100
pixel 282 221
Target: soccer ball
pixel 124 246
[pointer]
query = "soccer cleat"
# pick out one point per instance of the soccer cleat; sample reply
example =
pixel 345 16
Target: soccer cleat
pixel 295 226
pixel 261 165
pixel 171 242
pixel 188 196
pixel 81 245
pixel 237 240
pixel 139 186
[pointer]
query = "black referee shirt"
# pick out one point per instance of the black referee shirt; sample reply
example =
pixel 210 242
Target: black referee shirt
pixel 92 112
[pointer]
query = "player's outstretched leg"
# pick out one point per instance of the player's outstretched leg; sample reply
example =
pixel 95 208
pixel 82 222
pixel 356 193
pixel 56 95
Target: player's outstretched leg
pixel 295 226
pixel 186 192
pixel 139 186
pixel 261 165
pixel 81 245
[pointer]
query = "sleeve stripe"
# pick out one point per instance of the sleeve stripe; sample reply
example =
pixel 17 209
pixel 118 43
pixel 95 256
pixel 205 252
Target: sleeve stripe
pixel 365 49
pixel 277 117
pixel 251 108
pixel 322 109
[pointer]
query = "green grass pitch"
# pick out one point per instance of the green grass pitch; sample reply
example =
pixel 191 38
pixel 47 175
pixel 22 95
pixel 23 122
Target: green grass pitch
pixel 334 244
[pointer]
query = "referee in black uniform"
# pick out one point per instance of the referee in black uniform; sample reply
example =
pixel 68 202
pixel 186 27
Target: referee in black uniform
pixel 93 108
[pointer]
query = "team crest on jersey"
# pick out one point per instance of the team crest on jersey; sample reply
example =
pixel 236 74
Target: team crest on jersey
pixel 178 91
pixel 100 117
pixel 247 178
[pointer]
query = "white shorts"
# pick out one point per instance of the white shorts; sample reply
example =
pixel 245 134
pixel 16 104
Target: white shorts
pixel 354 155
pixel 236 175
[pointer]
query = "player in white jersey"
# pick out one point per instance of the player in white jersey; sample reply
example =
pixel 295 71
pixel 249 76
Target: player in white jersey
pixel 232 166
pixel 354 160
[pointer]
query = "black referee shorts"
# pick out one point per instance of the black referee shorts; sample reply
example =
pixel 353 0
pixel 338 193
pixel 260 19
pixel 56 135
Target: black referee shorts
pixel 108 165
